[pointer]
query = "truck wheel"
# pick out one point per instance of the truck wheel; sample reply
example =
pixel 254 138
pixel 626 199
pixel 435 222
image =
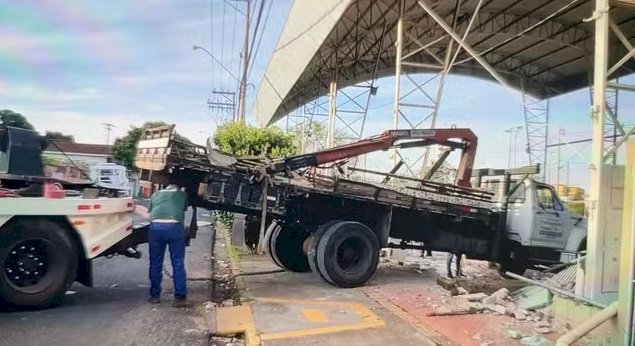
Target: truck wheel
pixel 312 248
pixel 273 227
pixel 287 249
pixel 38 263
pixel 348 254
pixel 517 260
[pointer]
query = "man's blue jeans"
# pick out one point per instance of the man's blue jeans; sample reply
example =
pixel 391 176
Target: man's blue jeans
pixel 173 236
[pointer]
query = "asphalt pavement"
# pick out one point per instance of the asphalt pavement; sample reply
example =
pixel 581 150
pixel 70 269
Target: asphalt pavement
pixel 116 312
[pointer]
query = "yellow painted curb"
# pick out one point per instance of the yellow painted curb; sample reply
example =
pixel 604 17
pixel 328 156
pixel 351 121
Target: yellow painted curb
pixel 232 320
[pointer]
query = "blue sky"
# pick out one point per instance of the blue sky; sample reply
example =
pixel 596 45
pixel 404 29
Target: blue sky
pixel 71 66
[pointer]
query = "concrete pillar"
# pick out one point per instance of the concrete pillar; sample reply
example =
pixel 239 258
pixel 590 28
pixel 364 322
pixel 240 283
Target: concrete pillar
pixel 627 251
pixel 597 196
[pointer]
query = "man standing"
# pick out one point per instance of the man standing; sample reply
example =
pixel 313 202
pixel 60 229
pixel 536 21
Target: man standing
pixel 167 212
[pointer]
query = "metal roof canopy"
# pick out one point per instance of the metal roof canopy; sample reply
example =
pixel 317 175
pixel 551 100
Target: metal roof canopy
pixel 543 47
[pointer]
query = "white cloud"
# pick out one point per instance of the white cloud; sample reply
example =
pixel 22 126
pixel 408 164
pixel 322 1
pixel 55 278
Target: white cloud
pixel 36 94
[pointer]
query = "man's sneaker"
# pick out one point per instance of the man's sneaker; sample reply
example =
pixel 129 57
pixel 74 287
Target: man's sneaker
pixel 154 300
pixel 180 303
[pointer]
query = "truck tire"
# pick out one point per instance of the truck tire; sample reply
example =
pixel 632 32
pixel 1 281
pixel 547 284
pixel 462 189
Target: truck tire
pixel 38 263
pixel 312 248
pixel 517 260
pixel 273 227
pixel 287 249
pixel 348 254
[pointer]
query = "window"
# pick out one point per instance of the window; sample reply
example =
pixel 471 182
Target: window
pixel 496 186
pixel 547 199
pixel 518 195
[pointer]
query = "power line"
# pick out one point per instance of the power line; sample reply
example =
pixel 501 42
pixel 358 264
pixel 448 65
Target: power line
pixel 211 29
pixel 262 34
pixel 253 40
pixel 222 46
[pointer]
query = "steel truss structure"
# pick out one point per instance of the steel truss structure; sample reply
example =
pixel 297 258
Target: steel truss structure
pixel 536 113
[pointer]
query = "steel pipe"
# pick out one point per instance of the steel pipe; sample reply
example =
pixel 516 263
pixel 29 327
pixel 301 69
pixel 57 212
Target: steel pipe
pixel 584 328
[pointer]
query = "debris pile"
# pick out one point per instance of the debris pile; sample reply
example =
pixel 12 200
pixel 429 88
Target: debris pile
pixel 525 305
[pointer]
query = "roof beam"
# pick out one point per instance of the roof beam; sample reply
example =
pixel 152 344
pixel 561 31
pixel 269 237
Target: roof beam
pixel 463 44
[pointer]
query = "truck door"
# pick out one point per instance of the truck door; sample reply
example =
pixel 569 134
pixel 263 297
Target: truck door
pixel 549 219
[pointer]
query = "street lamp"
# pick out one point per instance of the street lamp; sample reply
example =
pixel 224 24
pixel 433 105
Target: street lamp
pixel 197 47
pixel 513 132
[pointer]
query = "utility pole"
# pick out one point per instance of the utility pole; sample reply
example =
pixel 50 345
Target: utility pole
pixel 245 62
pixel 108 128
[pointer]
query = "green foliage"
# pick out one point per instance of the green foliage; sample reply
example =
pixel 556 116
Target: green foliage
pixel 243 140
pixel 58 136
pixel 124 148
pixel 576 207
pixel 11 118
pixel 239 139
pixel 49 161
pixel 225 218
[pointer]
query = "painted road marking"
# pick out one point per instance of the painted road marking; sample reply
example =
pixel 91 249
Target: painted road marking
pixel 314 315
pixel 367 318
pixel 240 320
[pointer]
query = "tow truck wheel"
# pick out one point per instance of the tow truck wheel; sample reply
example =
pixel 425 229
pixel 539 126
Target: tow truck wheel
pixel 273 227
pixel 38 262
pixel 287 248
pixel 348 254
pixel 312 248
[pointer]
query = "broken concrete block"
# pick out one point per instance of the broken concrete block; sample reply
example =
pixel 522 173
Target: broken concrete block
pixel 497 296
pixel 542 324
pixel 531 297
pixel 474 297
pixel 510 307
pixel 514 334
pixel 543 330
pixel 462 291
pixel 446 283
pixel 499 309
pixel 520 314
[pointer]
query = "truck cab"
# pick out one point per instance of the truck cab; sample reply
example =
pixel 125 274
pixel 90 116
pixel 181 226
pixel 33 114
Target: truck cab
pixel 539 228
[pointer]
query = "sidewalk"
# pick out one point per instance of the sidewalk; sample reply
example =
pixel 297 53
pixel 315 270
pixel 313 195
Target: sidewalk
pixel 285 308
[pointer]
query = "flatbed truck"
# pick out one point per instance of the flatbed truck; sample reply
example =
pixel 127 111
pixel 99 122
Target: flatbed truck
pixel 335 226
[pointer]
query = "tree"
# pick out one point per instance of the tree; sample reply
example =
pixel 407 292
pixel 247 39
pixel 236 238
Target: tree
pixel 243 140
pixel 58 136
pixel 124 148
pixel 11 118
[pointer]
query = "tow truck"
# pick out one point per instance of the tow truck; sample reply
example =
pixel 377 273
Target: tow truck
pixel 49 231
pixel 335 226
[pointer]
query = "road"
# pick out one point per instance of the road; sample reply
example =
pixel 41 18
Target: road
pixel 116 312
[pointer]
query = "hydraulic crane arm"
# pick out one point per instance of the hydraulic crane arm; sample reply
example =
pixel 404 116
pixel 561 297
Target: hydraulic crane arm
pixel 391 139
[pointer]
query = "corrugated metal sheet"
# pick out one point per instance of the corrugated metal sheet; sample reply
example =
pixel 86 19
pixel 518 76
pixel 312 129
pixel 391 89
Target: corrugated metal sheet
pixel 564 279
